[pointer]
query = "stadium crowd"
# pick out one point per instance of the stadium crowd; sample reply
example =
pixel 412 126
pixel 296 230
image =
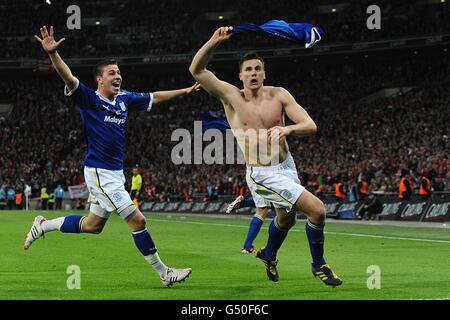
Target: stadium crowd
pixel 174 27
pixel 42 142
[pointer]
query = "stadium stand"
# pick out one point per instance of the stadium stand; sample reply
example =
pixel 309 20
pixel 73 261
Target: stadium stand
pixel 174 27
pixel 377 112
pixel 43 140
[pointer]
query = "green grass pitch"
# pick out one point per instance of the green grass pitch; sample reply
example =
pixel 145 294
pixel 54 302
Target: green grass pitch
pixel 414 262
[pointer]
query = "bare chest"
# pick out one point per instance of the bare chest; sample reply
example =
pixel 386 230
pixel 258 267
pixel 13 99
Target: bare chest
pixel 266 114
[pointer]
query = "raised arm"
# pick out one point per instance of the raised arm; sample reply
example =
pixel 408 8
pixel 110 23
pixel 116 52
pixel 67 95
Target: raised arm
pixel 161 96
pixel 303 124
pixel 50 45
pixel 206 78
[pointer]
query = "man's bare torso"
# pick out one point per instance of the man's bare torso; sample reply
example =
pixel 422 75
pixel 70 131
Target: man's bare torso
pixel 250 119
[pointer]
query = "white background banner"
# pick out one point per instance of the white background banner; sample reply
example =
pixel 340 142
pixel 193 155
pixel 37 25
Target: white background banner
pixel 79 191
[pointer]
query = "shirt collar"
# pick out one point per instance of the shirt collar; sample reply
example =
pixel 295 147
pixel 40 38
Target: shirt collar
pixel 113 102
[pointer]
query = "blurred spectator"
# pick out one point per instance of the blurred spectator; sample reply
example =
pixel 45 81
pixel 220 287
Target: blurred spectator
pixel 352 192
pixel 405 187
pixel 11 197
pixel 19 199
pixel 2 193
pixel 59 196
pixel 136 186
pixel 44 198
pixel 362 189
pixel 80 204
pixel 51 201
pixel 371 207
pixel 424 187
pixel 340 192
pixel 320 193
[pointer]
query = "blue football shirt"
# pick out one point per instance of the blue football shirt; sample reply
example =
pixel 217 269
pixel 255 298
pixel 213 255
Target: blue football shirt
pixel 104 123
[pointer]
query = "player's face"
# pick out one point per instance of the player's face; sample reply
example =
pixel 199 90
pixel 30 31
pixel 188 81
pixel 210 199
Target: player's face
pixel 110 80
pixel 252 74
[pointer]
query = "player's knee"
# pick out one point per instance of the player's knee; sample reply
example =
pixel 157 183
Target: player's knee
pixel 262 213
pixel 137 221
pixel 140 222
pixel 320 212
pixel 287 222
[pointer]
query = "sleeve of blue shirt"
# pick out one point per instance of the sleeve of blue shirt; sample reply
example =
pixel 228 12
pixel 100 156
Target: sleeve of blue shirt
pixel 140 101
pixel 83 96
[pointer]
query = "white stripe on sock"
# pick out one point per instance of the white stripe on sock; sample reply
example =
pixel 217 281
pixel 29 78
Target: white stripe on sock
pixel 259 217
pixel 140 231
pixel 80 225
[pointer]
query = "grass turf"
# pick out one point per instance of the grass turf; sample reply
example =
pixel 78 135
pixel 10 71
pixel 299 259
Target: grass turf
pixel 112 268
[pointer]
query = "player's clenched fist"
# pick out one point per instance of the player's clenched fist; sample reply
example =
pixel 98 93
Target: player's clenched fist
pixel 222 34
pixel 278 132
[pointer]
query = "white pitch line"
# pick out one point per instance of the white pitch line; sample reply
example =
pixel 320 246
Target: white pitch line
pixel 326 232
pixel 386 237
pixel 445 298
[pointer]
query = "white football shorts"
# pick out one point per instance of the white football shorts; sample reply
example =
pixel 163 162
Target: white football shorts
pixel 107 192
pixel 277 184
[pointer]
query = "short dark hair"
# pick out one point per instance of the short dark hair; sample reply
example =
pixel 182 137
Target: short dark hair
pixel 98 68
pixel 249 56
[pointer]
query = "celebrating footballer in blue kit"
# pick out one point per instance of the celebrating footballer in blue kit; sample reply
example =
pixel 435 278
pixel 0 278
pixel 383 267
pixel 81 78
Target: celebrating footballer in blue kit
pixel 104 113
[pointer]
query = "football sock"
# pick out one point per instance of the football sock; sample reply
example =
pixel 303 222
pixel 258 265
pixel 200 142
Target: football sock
pixel 156 263
pixel 69 224
pixel 52 225
pixel 253 230
pixel 316 239
pixel 144 242
pixel 275 240
pixel 146 246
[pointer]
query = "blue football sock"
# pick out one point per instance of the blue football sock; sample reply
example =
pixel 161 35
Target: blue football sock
pixel 316 239
pixel 253 230
pixel 72 224
pixel 144 242
pixel 247 203
pixel 276 238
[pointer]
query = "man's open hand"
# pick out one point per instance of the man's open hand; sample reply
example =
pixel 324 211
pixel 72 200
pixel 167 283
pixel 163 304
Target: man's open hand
pixel 48 41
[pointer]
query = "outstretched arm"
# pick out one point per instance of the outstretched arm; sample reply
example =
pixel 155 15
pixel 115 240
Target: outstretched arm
pixel 161 96
pixel 50 45
pixel 303 124
pixel 206 78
